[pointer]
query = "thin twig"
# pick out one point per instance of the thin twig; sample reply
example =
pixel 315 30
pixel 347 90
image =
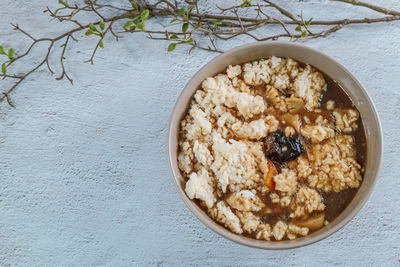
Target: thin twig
pixel 98 43
pixel 64 73
pixel 92 5
pixel 11 76
pixel 282 10
pixel 370 6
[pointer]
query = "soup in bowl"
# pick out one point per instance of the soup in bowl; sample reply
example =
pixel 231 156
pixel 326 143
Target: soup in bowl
pixel 268 145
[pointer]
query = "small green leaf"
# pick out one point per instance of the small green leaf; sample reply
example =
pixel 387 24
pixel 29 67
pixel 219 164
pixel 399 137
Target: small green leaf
pixel 136 21
pixel 309 22
pixel 4 68
pixel 58 9
pixel 2 52
pixel 129 25
pixel 218 22
pixel 92 27
pixel 245 3
pixel 171 47
pixel 174 37
pixel 141 27
pixel 185 27
pixel 303 33
pixel 65 4
pixel 102 25
pixel 181 11
pixel 188 10
pixel 101 44
pixel 11 53
pixel 189 41
pixel 298 28
pixel 145 14
pixel 134 5
pixel 88 32
pixel 173 20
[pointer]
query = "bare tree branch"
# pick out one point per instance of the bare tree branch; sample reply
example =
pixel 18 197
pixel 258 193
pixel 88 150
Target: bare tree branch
pixel 201 32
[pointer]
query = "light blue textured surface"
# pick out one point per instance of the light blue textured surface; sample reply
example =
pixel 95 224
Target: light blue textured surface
pixel 83 172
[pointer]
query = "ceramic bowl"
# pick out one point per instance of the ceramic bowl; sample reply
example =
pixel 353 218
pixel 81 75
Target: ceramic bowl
pixel 329 66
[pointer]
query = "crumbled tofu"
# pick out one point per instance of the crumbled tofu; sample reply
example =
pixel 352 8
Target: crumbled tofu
pixel 202 154
pixel 223 214
pixel 303 167
pixel 307 200
pixel 256 129
pixel 330 105
pixel 245 200
pixel 257 72
pixel 200 186
pixel 286 181
pixel 249 105
pixel 346 119
pixel 280 81
pixel 253 130
pixel 234 166
pixel 279 230
pixel 234 71
pixel 201 119
pixel 335 166
pixel 294 230
pixel 317 133
pixel 308 86
pixel 185 157
pixel 249 221
pixel 264 231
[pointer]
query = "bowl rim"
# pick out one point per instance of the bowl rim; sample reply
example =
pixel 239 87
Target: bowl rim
pixel 274 245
